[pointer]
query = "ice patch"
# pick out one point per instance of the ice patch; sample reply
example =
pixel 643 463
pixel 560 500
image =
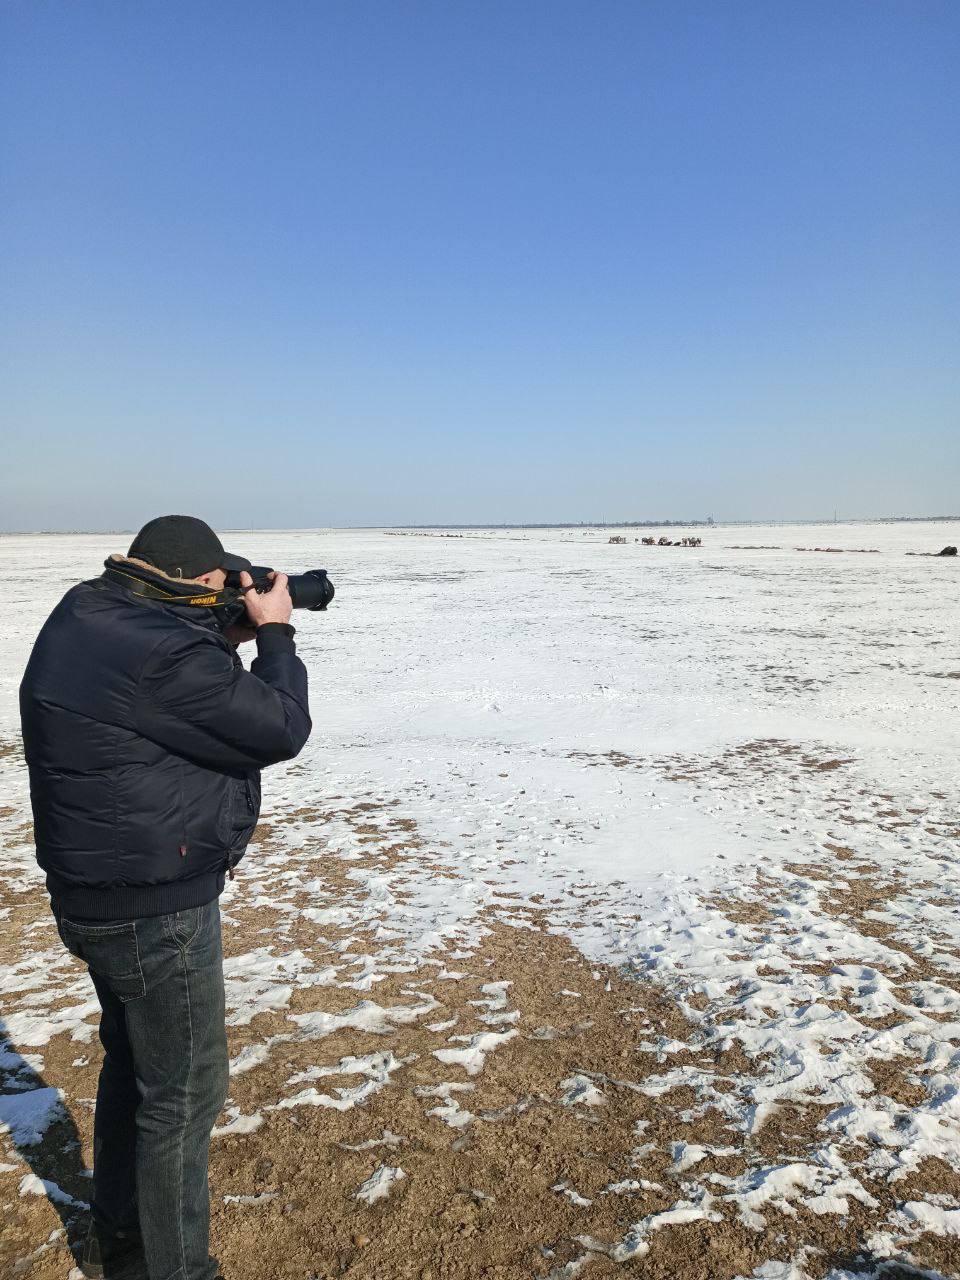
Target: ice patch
pixel 261 982
pixel 380 1183
pixel 238 1123
pixel 478 1046
pixel 635 1243
pixel 580 1090
pixel 450 1112
pixel 26 1116
pixel 364 1016
pixel 31 1185
pixel 260 1198
pixel 377 1067
pixel 923 1215
pixel 388 1139
pixel 573 1196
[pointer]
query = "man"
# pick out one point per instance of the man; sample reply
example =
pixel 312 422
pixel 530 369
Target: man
pixel 144 737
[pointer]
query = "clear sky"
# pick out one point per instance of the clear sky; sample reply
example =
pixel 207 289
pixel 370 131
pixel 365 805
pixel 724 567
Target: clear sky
pixel 321 262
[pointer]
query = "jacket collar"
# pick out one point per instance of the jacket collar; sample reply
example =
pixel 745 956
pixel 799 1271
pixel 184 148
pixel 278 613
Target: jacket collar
pixel 191 600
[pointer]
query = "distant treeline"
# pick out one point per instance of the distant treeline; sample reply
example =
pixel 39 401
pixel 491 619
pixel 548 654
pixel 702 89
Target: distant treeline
pixel 709 523
pixel 685 524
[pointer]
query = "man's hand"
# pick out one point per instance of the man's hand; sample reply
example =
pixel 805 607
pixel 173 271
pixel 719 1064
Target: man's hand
pixel 274 605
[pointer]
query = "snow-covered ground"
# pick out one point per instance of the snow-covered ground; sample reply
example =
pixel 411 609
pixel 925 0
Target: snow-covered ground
pixel 643 736
pixel 468 676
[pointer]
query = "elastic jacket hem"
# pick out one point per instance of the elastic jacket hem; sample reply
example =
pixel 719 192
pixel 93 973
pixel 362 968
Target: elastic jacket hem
pixel 129 902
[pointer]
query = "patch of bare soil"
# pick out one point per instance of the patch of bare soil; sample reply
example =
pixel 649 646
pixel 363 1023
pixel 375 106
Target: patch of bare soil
pixel 544 1158
pixel 743 762
pixel 504 1171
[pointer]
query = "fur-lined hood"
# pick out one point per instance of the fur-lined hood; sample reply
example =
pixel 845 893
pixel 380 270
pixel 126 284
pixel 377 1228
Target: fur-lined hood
pixel 118 561
pixel 146 580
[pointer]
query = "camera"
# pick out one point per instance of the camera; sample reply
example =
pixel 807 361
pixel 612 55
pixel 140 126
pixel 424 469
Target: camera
pixel 311 590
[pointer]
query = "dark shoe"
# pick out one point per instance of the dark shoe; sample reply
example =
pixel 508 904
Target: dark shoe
pixel 113 1256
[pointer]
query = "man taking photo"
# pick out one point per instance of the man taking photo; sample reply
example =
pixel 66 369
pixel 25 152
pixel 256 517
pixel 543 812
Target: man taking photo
pixel 145 736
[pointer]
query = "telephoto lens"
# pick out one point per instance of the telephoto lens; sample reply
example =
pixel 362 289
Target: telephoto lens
pixel 311 590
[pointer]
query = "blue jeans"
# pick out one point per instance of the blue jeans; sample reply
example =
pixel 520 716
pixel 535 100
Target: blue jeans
pixel 163 1081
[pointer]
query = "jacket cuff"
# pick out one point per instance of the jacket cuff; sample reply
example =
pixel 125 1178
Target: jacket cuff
pixel 275 637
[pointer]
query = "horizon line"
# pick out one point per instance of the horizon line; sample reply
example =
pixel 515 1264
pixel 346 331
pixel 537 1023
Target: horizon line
pixel 708 523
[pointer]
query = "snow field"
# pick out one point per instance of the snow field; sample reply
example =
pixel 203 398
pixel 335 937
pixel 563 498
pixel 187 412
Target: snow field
pixel 732 772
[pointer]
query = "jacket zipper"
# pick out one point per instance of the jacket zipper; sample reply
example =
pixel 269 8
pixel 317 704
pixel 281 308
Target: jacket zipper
pixel 246 791
pixel 183 818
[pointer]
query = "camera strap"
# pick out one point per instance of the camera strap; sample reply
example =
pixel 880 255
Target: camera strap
pixel 201 597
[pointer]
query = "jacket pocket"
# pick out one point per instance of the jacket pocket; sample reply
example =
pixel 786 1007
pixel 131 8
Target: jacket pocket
pixel 225 812
pixel 246 810
pixel 110 951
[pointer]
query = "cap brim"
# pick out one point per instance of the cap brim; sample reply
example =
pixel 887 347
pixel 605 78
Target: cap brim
pixel 234 564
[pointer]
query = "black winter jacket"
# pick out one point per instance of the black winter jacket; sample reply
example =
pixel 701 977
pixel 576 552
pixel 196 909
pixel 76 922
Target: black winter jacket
pixel 144 738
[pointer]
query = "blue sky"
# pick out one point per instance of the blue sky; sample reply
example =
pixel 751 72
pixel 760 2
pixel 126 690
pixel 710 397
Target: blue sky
pixel 360 263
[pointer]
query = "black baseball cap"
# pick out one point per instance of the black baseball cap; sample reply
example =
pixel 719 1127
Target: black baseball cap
pixel 183 547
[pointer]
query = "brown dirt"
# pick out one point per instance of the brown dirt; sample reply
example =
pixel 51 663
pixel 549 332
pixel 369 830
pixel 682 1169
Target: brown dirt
pixel 500 1196
pixel 478 1200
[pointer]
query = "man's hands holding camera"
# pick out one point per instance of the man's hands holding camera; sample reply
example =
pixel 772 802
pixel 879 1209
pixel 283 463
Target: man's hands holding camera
pixel 274 605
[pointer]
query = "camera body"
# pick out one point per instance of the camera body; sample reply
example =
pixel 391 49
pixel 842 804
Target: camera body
pixel 312 590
